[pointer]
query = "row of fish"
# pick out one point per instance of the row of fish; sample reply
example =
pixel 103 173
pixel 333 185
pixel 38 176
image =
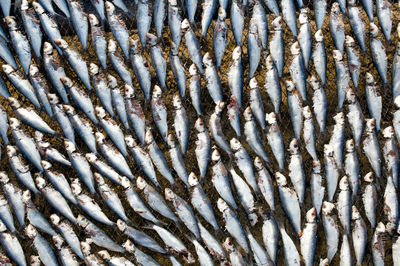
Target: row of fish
pixel 241 149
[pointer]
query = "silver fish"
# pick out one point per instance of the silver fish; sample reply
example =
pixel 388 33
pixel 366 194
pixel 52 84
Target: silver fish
pixel 209 7
pixel 319 55
pixel 260 19
pixel 252 136
pixel 395 73
pixel 5 214
pixel 118 101
pixel 256 103
pixel 264 182
pixel 260 254
pixel 41 88
pixel 213 81
pixel 331 229
pixel 62 5
pixel 174 22
pixel 290 202
pixel 336 26
pixel 371 147
pixel 359 235
pixel 64 252
pixel 14 197
pixel 135 113
pixel 159 14
pixel 114 260
pixel 212 244
pixel 370 199
pixel 235 257
pixel 391 206
pixel 216 128
pixel 79 21
pixel 308 238
pixel 177 159
pixel 99 6
pixel 276 45
pixel 201 202
pixel 353 60
pixel 140 68
pixel 317 188
pixel 12 246
pixel 181 123
pixel 118 28
pixel 232 224
pixel 203 147
pixel 337 139
pixel 343 204
pixel 391 155
pixel 345 252
pixel 295 107
pixel 32 28
pixel 103 168
pixel 378 245
pixel 220 36
pixel 110 197
pixel 384 12
pixel 143 19
pixel 237 20
pixel 292 256
pixel 374 99
pixel 234 115
pixel 289 15
pixel 351 166
pixel 296 170
pixel 254 47
pixel 320 12
pixel 98 37
pixel 297 70
pixel 192 44
pixel 355 116
pixel 272 83
pixel 309 133
pixel 118 62
pixel 378 52
pixel 357 23
pixel 342 77
pixel 141 257
pixel 157 59
pixel 305 36
pixel 331 171
pixel 177 69
pixel 275 140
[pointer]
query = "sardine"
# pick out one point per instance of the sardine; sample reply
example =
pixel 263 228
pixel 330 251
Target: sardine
pixel 331 171
pixel 140 68
pixel 331 229
pixel 374 100
pixel 317 188
pixel 355 116
pixel 370 146
pixel 351 166
pixel 192 44
pixel 252 136
pixel 157 59
pixel 336 26
pixel 237 20
pixel 305 36
pixel 289 15
pixel 254 47
pixel 32 28
pixel 118 28
pixel 276 44
pixel 178 162
pixel 98 37
pixel 177 69
pixel 378 52
pixel 391 155
pixel 79 21
pixel 297 70
pixel 135 113
pixel 309 133
pixel 275 140
pixel 295 108
pixel 213 81
pixel 353 60
pixel 357 23
pixel 319 55
pixel 359 235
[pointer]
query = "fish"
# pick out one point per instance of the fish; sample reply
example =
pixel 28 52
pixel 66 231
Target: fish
pixel 260 254
pixel 275 140
pixel 118 63
pixel 159 14
pixel 384 13
pixel 65 252
pixel 355 116
pixel 343 204
pixel 309 133
pixel 99 40
pixel 41 88
pixel 140 68
pixel 374 100
pixel 353 60
pixel 181 123
pixel 337 139
pixel 331 229
pixel 272 84
pixel 135 113
pixel 319 55
pixel 308 237
pixel 370 147
pixel 317 188
pixel 5 214
pixel 254 46
pixel 141 257
pixel 237 20
pixel 352 167
pixel 114 260
pixel 192 44
pixel 99 6
pixel 296 170
pixel 377 245
pixel 320 12
pixel 177 69
pixel 118 28
pixel 213 81
pixel 289 15
pixel 143 20
pixel 178 162
pixel 305 36
pixel 32 28
pixel 12 246
pixel 331 171
pixel 295 107
pixel 378 52
pixel 261 21
pixel 391 154
pixel 79 21
pixel 336 26
pixel 342 77
pixel 276 44
pixel 252 136
pixel 297 70
pixel 359 235
pixel 118 101
pixel 357 23
pixel 157 59
pixel 235 257
pixel 291 254
pixel 174 22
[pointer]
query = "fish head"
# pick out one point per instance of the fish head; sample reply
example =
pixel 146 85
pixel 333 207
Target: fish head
pixel 350 145
pixel 24 5
pixel 324 262
pixel 221 13
pixel 380 228
pixel 4 177
pixel 193 180
pixel 280 179
pixel 397 101
pixel 129 91
pixel 11 151
pixel 335 8
pixel 177 103
pixel 104 254
pixel 327 207
pixel 295 48
pixel 253 83
pixel 207 60
pixel 303 17
pixel 26 196
pixel 237 53
pixel 215 156
pixel 289 85
pixel 388 132
pixel 185 25
pixel 129 246
pixel 33 70
pixel 85 246
pixel 76 187
pixel 351 2
pixel 45 164
pixel 369 177
pixel 69 109
pixel 277 23
pixel 222 205
pixel 171 141
pixel 93 20
pixel 58 241
pixel 369 78
pixel 269 62
pixel 141 183
pixel 38 7
pixel 355 214
pixel 130 141
pixel 124 181
pixel 235 144
pixel 47 48
pixel 91 157
pixel 253 26
pixel 99 178
pixel 13 102
pixel 316 166
pixel 15 123
pixel 311 215
pixel 174 49
pixel 337 55
pixel 112 46
pixel 370 124
pixel 172 2
pixel 121 225
pixel 219 106
pixel 258 163
pixel 151 39
pixel 54 219
pixel 148 137
pixel 199 125
pixel 10 22
pixel 94 69
pixel 314 82
pixel 112 81
pixel 319 36
pixel 67 82
pixel 109 7
pixel 344 183
pixel 193 70
pixel 169 194
pixel 373 29
pixel 350 95
pixel 100 112
pixel 134 45
pixel 228 245
pixel 307 112
pixel 349 41
pixel 99 137
pixel 339 118
pixel 38 136
pixel 82 221
pixel 270 118
pixel 157 92
pixel 30 231
pixel 294 146
pixel 69 146
pixel 328 150
pixel 61 43
pixel 247 114
pixel 8 69
pixel 3 227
